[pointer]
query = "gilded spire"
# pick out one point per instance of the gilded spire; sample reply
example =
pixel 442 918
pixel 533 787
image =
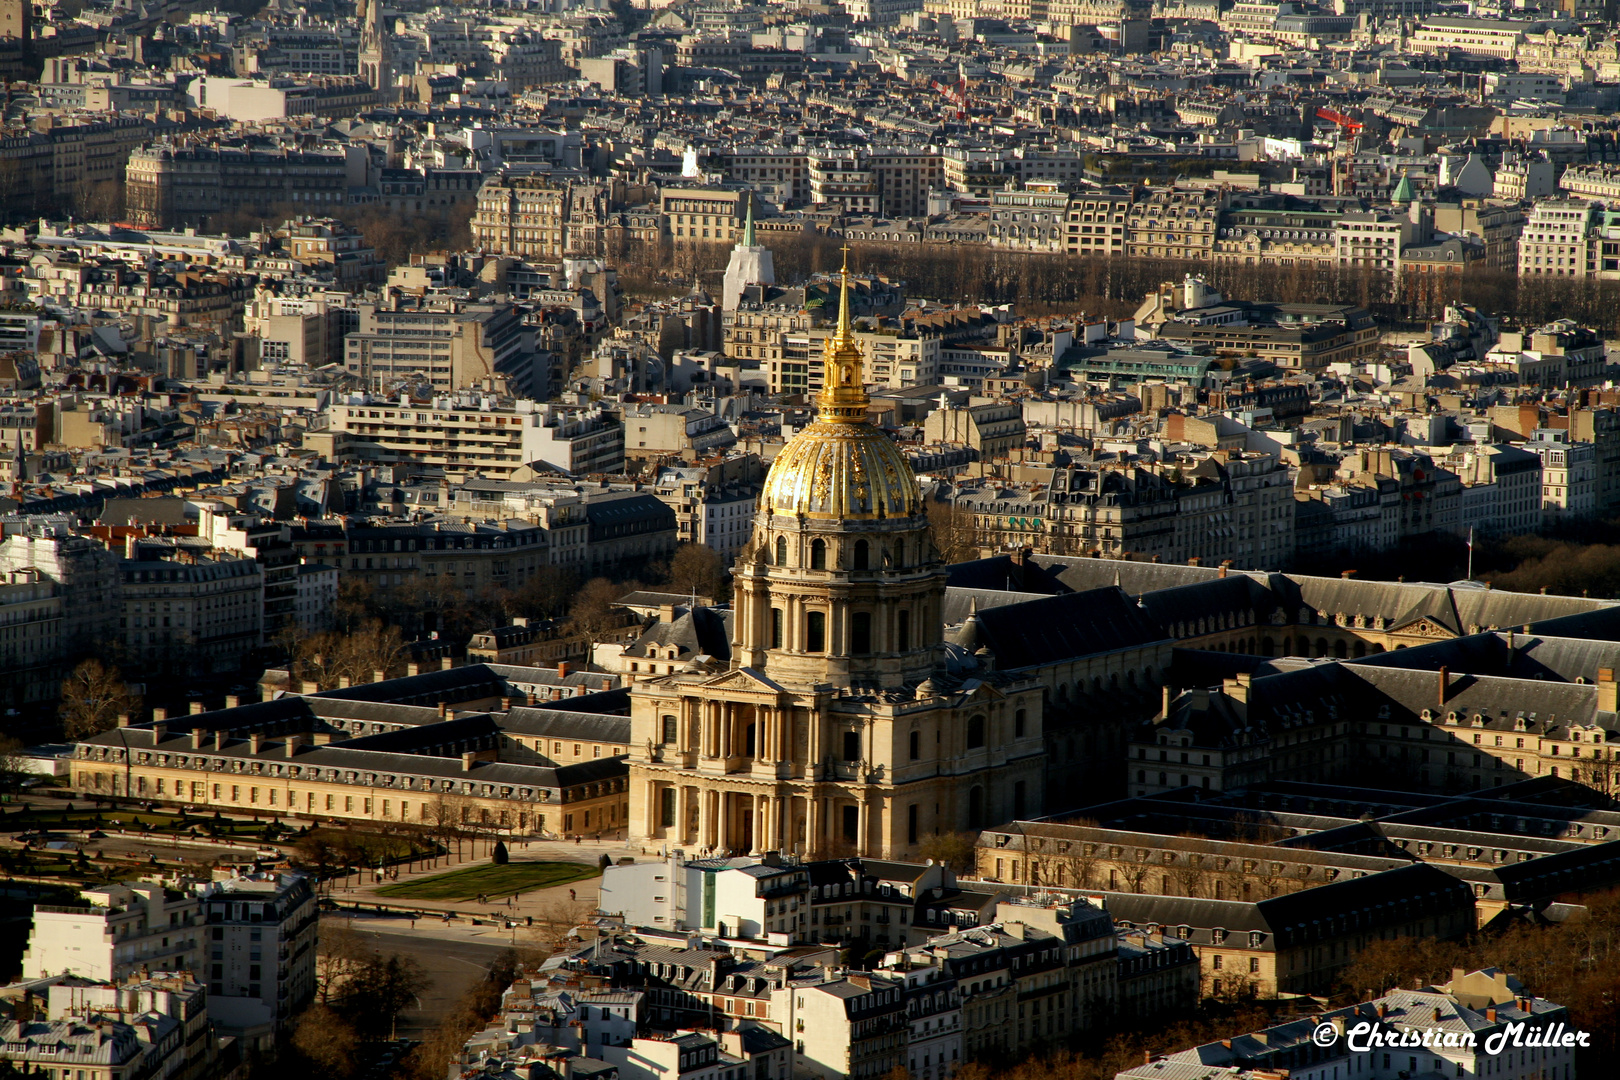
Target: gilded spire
pixel 843 389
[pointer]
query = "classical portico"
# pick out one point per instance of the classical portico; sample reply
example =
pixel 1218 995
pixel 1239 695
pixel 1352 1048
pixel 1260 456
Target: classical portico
pixel 842 724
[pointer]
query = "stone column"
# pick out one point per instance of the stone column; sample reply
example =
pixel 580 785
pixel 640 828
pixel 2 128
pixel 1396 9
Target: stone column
pixel 812 838
pixel 862 839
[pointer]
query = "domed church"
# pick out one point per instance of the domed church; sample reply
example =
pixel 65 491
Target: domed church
pixel 843 723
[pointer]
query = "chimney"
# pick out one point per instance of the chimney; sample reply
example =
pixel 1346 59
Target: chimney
pixel 1383 1010
pixel 444 709
pixel 1195 561
pixel 467 760
pixel 123 719
pixel 1438 1015
pixel 196 738
pixel 562 669
pixel 666 613
pixel 1345 574
pixel 309 686
pixel 291 745
pixel 160 731
pixel 344 682
pixel 1226 565
pixel 1490 1014
pixel 413 668
pixel 379 675
pixel 196 707
pixel 219 739
pixel 506 704
pixel 255 743
pixel 446 663
pixel 1445 683
pixel 1606 686
pixel 233 701
pixel 160 713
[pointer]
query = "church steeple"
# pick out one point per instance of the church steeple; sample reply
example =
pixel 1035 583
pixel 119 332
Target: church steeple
pixel 843 388
pixel 748 223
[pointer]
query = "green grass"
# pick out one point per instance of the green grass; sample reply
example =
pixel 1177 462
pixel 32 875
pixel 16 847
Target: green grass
pixel 491 880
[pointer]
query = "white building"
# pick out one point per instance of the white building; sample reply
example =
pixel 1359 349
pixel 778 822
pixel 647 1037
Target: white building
pixel 317 588
pixel 854 1026
pixel 1555 239
pixel 934 1012
pixel 1568 476
pixel 734 898
pixel 260 940
pixel 751 263
pixel 119 930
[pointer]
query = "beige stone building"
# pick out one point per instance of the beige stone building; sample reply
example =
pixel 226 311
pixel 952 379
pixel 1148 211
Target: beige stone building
pixel 841 722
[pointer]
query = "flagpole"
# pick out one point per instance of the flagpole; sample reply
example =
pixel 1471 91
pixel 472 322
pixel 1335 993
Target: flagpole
pixel 1470 553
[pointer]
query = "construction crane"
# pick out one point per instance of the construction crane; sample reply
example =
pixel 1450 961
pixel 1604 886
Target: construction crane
pixel 1346 147
pixel 1354 127
pixel 956 93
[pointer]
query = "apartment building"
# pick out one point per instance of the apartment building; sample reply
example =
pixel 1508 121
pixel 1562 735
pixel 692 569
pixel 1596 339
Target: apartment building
pixel 185 612
pixel 118 931
pixel 31 618
pixel 855 1026
pixel 484 435
pixel 1555 241
pixel 1167 223
pixel 704 214
pixel 1097 221
pixel 446 345
pixel 169 185
pixel 259 934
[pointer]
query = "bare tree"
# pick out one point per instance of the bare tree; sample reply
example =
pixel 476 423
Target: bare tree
pixel 93 697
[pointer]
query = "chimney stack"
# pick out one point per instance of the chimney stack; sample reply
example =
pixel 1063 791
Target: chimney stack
pixel 123 719
pixel 196 738
pixel 446 663
pixel 1606 687
pixel 219 739
pixel 160 713
pixel 160 731
pixel 344 682
pixel 255 742
pixel 291 745
pixel 444 709
pixel 1445 683
pixel 196 708
pixel 1490 1014
pixel 506 704
pixel 413 668
pixel 233 701
pixel 379 675
pixel 562 669
pixel 467 760
pixel 309 686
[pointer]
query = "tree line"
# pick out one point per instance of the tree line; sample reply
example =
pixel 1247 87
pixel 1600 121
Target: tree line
pixel 1114 287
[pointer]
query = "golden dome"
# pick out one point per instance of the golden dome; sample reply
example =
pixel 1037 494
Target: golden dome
pixel 841 466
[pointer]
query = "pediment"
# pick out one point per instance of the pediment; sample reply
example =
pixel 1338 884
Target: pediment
pixel 745 680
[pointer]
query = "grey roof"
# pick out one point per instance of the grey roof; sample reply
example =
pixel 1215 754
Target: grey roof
pixel 562 723
pixel 1057 628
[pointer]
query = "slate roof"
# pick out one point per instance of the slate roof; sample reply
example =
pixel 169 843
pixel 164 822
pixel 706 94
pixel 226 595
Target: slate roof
pixel 564 723
pixel 701 631
pixel 1058 628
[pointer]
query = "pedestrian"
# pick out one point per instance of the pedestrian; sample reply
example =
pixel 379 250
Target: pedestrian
pixel 509 900
pixel 577 840
pixel 572 896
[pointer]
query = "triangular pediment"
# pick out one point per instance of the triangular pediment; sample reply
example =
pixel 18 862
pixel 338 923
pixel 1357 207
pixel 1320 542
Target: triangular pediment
pixel 1424 627
pixel 748 680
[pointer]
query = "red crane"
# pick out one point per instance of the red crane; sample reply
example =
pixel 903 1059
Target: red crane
pixel 1352 126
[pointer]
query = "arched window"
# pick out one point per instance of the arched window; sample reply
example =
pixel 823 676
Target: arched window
pixel 975 732
pixel 860 632
pixel 902 632
pixel 863 555
pixel 781 551
pixel 818 554
pixel 815 632
pixel 776 628
pixel 975 808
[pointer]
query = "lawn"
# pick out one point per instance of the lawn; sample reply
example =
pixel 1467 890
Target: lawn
pixel 490 880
